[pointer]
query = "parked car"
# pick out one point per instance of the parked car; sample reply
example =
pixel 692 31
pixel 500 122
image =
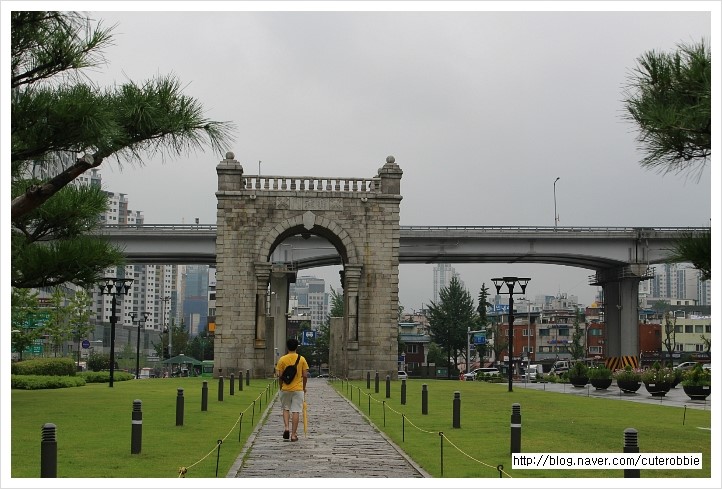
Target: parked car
pixel 403 375
pixel 481 371
pixel 686 365
pixel 707 366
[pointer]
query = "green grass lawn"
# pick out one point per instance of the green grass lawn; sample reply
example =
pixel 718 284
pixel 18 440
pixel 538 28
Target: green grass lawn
pixel 551 423
pixel 94 428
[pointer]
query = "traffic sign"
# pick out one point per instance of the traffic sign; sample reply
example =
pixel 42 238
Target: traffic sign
pixel 86 344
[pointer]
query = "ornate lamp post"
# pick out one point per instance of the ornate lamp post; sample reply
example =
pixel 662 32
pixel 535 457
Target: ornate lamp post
pixel 146 316
pixel 114 287
pixel 510 284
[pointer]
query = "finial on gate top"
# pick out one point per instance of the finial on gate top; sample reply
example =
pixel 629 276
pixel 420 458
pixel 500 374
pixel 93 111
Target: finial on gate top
pixel 390 159
pixel 230 155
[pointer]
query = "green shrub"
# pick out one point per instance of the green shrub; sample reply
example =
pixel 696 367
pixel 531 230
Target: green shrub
pixel 30 382
pixel 697 377
pixel 599 372
pixel 98 362
pixel 103 377
pixel 44 366
pixel 578 370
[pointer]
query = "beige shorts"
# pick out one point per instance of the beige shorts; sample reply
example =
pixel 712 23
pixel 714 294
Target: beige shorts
pixel 292 401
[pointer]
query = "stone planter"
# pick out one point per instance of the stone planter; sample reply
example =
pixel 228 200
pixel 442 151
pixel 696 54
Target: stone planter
pixel 629 386
pixel 600 384
pixel 658 389
pixel 578 381
pixel 697 392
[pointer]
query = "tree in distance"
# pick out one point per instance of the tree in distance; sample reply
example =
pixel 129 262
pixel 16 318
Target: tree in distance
pixel 450 319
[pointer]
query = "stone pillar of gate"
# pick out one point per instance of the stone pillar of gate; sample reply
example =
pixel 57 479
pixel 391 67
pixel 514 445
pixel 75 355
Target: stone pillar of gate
pixel 352 274
pixel 281 277
pixel 263 274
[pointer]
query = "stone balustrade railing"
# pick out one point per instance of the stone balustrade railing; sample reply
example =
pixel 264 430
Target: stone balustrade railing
pixel 314 184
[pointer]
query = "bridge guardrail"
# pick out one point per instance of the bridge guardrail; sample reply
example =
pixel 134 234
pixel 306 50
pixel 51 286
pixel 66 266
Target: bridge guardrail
pixel 506 229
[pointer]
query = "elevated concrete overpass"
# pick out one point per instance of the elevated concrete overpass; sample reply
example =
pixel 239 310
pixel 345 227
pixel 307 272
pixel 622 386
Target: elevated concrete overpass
pixel 620 257
pixel 593 248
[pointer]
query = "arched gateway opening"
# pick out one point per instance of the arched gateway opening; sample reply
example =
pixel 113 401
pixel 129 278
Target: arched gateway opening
pixel 358 216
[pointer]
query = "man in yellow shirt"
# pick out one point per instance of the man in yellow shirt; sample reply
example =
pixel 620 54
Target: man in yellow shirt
pixel 292 394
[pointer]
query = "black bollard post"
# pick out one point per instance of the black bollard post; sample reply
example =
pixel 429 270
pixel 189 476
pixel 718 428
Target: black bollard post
pixel 248 377
pixel 368 380
pixel 204 396
pixel 179 406
pixel 48 452
pixel 240 381
pixel 388 386
pixel 631 445
pixel 232 383
pixel 220 388
pixel 456 419
pixel 136 427
pixel 403 392
pixel 424 399
pixel 376 382
pixel 516 428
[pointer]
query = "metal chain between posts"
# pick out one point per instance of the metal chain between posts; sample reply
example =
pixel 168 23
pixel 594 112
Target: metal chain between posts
pixel 184 469
pixel 404 418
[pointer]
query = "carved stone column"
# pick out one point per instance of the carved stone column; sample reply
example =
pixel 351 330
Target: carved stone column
pixel 352 276
pixel 263 274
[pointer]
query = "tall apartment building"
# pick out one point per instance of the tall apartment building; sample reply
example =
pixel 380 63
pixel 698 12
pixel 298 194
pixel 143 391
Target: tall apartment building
pixel 443 272
pixel 309 293
pixel 675 281
pixel 153 290
pixel 195 298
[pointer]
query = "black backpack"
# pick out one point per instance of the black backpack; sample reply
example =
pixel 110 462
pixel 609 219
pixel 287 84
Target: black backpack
pixel 289 373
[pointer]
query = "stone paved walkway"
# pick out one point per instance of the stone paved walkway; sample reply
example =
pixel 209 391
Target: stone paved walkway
pixel 340 444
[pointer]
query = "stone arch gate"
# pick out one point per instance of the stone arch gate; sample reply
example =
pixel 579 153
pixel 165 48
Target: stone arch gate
pixel 359 216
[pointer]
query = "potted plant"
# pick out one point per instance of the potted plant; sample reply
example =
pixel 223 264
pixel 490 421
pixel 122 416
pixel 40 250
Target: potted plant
pixel 678 376
pixel 578 375
pixel 600 377
pixel 628 379
pixel 657 380
pixel 697 383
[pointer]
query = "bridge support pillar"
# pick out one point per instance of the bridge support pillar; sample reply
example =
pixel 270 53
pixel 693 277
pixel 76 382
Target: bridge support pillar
pixel 621 311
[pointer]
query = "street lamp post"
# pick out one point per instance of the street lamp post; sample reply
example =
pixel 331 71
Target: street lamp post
pixel 510 284
pixel 114 287
pixel 133 315
pixel 556 216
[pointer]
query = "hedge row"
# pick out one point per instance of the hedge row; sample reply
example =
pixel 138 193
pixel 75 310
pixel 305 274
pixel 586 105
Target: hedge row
pixel 44 366
pixel 103 377
pixel 30 382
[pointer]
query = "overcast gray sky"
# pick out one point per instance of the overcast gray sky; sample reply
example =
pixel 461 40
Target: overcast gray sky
pixel 482 111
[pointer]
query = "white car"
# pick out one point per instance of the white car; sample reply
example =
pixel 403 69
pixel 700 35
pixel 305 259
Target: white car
pixel 403 375
pixel 481 371
pixel 686 365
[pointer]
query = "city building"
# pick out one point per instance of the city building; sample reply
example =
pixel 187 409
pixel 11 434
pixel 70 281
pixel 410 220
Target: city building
pixel 415 349
pixel 311 299
pixel 675 281
pixel 443 273
pixel 195 281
